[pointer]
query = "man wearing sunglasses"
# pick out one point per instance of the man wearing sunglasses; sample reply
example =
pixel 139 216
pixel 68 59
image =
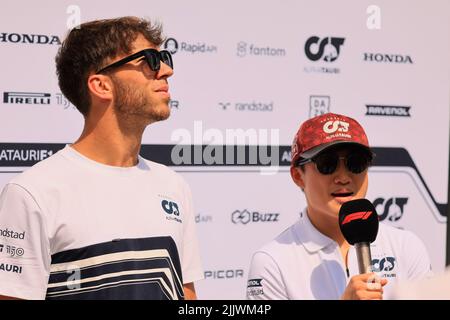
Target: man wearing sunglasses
pixel 96 220
pixel 311 259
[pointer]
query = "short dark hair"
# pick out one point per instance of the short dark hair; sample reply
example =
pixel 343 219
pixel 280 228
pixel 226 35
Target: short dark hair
pixel 87 48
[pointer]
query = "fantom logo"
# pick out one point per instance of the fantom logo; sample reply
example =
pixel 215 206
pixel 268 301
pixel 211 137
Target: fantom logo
pixel 29 38
pixel 391 209
pixel 327 49
pixel 246 216
pixel 244 48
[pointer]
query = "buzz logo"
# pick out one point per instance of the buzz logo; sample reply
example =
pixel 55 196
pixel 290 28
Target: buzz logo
pixel 171 208
pixel 391 209
pixel 337 125
pixel 386 264
pixel 246 216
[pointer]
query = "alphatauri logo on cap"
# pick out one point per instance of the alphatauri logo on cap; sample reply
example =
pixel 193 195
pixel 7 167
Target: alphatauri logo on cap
pixel 337 125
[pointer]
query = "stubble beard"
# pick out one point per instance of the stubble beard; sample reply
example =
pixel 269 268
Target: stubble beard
pixel 135 105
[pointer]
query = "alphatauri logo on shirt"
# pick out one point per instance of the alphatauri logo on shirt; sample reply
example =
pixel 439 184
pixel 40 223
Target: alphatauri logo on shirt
pixel 386 266
pixel 172 210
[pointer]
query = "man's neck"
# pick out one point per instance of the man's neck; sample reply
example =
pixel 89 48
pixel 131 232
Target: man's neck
pixel 109 143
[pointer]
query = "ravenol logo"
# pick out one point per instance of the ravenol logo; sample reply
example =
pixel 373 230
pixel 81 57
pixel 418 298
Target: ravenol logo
pixel 254 287
pixel 171 209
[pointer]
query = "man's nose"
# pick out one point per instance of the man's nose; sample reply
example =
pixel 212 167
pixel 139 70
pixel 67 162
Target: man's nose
pixel 164 71
pixel 341 175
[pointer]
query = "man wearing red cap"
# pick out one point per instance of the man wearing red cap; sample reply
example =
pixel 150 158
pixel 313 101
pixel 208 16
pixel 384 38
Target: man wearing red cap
pixel 311 259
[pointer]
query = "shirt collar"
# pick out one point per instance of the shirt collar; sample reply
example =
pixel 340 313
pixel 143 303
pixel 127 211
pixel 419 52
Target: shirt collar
pixel 311 238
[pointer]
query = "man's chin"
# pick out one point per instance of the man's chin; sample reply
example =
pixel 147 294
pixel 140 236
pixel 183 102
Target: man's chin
pixel 161 114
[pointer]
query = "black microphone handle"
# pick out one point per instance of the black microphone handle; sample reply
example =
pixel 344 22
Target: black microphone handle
pixel 364 257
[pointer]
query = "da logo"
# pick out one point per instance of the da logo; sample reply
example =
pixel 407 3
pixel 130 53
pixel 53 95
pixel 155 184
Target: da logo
pixel 170 207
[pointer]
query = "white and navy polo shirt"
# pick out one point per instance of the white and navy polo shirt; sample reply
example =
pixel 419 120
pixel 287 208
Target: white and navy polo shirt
pixel 72 228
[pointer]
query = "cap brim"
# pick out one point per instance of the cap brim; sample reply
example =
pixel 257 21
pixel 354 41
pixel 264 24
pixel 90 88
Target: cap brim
pixel 315 151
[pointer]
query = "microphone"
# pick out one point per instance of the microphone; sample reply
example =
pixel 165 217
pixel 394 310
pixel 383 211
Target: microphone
pixel 358 221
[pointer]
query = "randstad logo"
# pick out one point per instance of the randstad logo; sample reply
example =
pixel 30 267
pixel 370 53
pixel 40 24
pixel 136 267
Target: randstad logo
pixel 387 264
pixel 171 209
pixel 12 234
pixel 391 209
pixel 333 126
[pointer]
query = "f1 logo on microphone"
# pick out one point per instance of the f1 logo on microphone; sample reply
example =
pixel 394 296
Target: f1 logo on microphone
pixel 364 215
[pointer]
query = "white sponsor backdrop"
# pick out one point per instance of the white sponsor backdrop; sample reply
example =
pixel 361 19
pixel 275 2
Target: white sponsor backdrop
pixel 242 65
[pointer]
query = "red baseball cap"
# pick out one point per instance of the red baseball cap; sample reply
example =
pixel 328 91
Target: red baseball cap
pixel 324 131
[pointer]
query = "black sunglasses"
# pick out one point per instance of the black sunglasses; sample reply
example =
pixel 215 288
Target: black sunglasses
pixel 152 56
pixel 327 162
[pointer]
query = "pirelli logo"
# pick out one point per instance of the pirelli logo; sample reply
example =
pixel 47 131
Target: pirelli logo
pixel 27 98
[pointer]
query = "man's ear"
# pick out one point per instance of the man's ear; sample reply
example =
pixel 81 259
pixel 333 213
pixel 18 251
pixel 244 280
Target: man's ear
pixel 297 175
pixel 100 86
